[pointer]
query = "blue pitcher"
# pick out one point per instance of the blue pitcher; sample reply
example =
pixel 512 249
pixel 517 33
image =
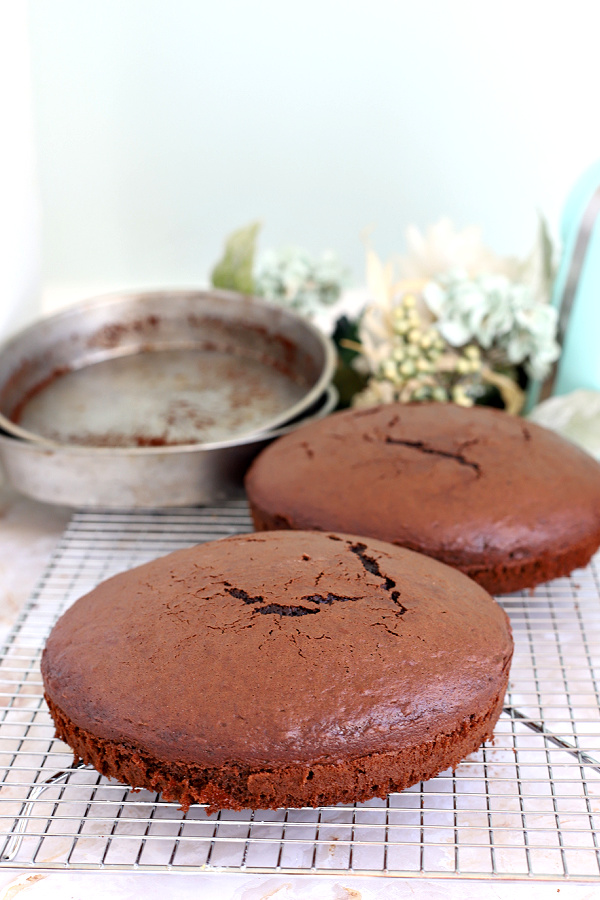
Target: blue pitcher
pixel 577 287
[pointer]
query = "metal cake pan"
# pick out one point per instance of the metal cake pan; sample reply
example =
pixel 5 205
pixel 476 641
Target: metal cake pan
pixel 154 399
pixel 137 478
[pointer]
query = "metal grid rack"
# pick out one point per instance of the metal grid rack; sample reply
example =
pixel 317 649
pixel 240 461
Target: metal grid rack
pixel 525 805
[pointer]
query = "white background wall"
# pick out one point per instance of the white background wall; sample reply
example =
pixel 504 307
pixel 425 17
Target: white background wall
pixel 164 124
pixel 19 205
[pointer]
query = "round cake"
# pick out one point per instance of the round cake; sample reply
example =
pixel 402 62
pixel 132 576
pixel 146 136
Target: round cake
pixel 507 502
pixel 283 669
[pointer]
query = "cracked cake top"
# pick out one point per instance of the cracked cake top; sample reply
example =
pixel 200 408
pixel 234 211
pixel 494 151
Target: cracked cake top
pixel 283 647
pixel 504 500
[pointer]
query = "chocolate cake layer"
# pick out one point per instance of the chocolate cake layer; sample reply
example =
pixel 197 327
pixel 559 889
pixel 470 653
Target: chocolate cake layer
pixel 507 502
pixel 281 669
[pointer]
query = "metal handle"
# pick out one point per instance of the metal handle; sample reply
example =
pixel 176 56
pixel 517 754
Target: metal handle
pixel 588 220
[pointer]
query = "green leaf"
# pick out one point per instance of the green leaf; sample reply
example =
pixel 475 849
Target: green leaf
pixel 346 330
pixel 348 383
pixel 235 271
pixel 346 379
pixel 548 266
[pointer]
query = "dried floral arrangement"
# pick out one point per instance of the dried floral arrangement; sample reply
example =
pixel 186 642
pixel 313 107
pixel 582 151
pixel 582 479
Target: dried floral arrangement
pixel 291 276
pixel 448 322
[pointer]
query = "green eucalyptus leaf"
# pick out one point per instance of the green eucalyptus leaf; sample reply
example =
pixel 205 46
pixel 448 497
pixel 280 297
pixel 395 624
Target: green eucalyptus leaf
pixel 235 271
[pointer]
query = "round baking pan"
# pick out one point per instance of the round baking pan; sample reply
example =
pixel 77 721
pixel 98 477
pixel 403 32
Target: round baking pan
pixel 156 398
pixel 136 478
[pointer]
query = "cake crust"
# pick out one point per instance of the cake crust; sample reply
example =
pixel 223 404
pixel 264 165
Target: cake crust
pixel 506 501
pixel 283 669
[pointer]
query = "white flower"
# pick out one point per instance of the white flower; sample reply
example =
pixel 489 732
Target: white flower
pixel 443 248
pixel 495 312
pixel 293 277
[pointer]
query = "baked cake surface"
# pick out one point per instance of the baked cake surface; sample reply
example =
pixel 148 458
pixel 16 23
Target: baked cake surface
pixel 282 669
pixel 506 501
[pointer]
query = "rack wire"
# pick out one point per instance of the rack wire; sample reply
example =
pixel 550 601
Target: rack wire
pixel 526 805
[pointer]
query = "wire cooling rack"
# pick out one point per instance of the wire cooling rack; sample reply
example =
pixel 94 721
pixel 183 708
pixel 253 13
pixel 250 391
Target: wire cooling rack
pixel 525 805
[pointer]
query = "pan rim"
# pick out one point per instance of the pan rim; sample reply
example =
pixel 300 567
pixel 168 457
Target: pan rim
pixel 14 431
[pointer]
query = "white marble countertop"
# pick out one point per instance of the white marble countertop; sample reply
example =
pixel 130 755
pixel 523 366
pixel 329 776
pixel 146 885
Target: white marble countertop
pixel 29 532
